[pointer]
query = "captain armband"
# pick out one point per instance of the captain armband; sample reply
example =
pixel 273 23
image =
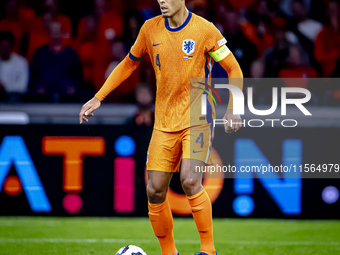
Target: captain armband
pixel 220 54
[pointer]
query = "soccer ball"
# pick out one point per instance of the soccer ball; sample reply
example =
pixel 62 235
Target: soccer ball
pixel 131 250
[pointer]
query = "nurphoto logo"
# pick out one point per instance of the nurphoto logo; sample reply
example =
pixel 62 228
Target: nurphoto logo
pixel 239 102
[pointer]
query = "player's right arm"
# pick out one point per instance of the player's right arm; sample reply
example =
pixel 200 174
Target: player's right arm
pixel 118 75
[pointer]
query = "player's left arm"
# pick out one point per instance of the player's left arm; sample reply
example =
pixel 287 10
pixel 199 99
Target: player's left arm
pixel 227 60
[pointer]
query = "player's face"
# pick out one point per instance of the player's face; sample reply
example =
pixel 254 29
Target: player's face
pixel 170 7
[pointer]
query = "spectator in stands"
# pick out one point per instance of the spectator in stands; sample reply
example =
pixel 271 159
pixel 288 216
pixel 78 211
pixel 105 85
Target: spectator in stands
pixel 260 90
pixel 258 28
pixel 93 18
pixel 118 50
pixel 92 45
pixel 275 56
pixel 133 21
pixel 125 93
pixel 262 87
pixel 14 70
pixel 286 7
pixel 303 30
pixel 86 46
pixel 11 23
pixel 257 69
pixel 327 44
pixel 51 6
pixel 117 53
pixel 39 37
pixel 27 15
pixel 145 101
pixel 316 8
pixel 39 34
pixel 88 32
pixel 275 14
pixel 297 66
pixel 55 70
pixel 110 26
pixel 307 27
pixel 99 7
pixel 244 50
pixel 256 73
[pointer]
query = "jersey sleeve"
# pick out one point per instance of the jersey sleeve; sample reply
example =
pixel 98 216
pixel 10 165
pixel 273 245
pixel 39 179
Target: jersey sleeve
pixel 214 39
pixel 139 50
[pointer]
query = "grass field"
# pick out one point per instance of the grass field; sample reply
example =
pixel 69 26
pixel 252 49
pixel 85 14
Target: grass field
pixel 37 235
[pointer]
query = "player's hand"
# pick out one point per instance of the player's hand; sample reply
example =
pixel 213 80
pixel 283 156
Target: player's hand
pixel 232 118
pixel 88 108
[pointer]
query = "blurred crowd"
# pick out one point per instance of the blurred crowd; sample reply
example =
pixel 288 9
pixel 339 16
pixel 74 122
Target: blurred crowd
pixel 62 51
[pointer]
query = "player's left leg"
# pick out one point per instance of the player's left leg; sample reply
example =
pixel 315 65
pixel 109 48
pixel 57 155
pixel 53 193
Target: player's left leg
pixel 200 203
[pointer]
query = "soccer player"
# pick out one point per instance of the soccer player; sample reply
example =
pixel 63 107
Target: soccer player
pixel 181 45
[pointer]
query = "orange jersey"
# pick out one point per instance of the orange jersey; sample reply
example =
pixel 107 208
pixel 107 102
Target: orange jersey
pixel 177 55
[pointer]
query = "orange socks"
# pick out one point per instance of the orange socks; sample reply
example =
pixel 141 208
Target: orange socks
pixel 201 211
pixel 162 223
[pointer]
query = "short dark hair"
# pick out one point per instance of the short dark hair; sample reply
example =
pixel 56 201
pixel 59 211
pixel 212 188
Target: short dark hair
pixel 7 35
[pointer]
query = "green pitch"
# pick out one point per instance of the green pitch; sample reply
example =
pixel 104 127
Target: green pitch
pixel 30 235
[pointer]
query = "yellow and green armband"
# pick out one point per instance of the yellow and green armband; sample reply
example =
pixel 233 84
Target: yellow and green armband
pixel 220 54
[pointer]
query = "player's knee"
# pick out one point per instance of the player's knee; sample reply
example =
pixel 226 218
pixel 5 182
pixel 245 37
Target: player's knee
pixel 156 194
pixel 191 186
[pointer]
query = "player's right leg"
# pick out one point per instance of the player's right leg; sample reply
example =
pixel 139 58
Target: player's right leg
pixel 159 210
pixel 164 156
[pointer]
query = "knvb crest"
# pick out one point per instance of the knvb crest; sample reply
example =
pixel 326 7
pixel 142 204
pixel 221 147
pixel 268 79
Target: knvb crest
pixel 188 46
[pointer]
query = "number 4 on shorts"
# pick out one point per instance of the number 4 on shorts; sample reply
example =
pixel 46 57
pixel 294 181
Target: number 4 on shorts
pixel 200 140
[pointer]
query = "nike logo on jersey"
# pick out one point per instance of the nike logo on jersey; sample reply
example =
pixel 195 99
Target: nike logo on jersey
pixel 154 45
pixel 196 151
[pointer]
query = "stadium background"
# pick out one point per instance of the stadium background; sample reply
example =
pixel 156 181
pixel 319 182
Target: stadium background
pixel 52 166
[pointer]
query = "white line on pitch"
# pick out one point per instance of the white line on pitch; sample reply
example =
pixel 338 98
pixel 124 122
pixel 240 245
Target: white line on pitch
pixel 64 240
pixel 131 241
